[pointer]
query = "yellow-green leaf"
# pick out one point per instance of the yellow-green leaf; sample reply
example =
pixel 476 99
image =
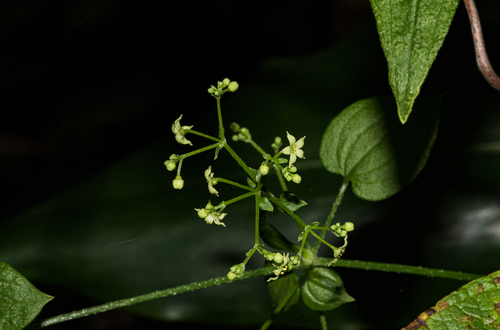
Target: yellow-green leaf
pixel 476 305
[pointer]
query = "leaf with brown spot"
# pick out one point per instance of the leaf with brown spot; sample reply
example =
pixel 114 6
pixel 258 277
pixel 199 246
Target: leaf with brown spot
pixel 475 305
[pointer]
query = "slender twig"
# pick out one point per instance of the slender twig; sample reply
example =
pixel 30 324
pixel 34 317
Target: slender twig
pixel 267 270
pixel 335 206
pixel 482 59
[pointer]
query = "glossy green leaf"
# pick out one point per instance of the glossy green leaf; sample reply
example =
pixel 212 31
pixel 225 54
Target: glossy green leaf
pixel 281 287
pixel 476 305
pixel 411 33
pixel 366 144
pixel 292 201
pixel 265 204
pixel 323 290
pixel 20 301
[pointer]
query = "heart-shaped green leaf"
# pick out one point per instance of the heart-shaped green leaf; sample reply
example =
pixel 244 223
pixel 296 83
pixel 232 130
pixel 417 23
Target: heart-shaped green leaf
pixel 366 144
pixel 20 301
pixel 476 305
pixel 323 290
pixel 281 287
pixel 411 33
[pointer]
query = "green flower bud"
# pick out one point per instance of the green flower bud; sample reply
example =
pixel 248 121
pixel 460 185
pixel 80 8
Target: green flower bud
pixel 348 226
pixel 235 138
pixel 233 86
pixel 278 258
pixel 202 213
pixel 295 260
pixel 226 81
pixel 264 169
pixel 307 257
pixel 231 276
pixel 269 256
pixel 235 127
pixel 178 183
pixel 296 178
pixel 212 90
pixel 238 270
pixel 171 165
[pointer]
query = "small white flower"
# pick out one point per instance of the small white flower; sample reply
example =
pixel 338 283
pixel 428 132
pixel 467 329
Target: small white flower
pixel 211 181
pixel 294 149
pixel 178 130
pixel 215 217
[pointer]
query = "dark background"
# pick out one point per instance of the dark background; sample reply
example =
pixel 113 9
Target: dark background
pixel 85 84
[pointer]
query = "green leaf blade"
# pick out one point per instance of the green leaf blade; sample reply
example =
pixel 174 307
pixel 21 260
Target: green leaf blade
pixel 411 34
pixel 282 287
pixel 323 290
pixel 20 301
pixel 366 144
pixel 476 305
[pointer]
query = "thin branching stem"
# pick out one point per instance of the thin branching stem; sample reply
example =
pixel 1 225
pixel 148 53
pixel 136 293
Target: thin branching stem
pixel 331 215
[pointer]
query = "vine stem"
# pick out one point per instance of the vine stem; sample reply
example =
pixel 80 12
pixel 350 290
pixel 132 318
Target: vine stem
pixel 267 270
pixel 397 268
pixel 482 59
pixel 331 215
pixel 154 295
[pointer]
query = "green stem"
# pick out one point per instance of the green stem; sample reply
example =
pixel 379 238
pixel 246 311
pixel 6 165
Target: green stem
pixel 267 270
pixel 396 268
pixel 335 206
pixel 321 240
pixel 197 151
pixel 234 200
pixel 236 184
pixel 278 202
pixel 240 161
pixel 257 147
pixel 221 125
pixel 203 135
pixel 257 218
pixel 280 178
pixel 322 320
pixel 264 271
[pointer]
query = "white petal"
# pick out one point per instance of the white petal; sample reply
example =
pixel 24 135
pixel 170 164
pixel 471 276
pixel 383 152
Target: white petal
pixel 291 138
pixel 286 150
pixel 300 143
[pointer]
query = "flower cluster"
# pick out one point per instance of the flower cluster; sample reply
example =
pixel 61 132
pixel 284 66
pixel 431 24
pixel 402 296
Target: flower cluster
pixel 282 262
pixel 222 87
pixel 236 271
pixel 290 175
pixel 241 133
pixel 341 231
